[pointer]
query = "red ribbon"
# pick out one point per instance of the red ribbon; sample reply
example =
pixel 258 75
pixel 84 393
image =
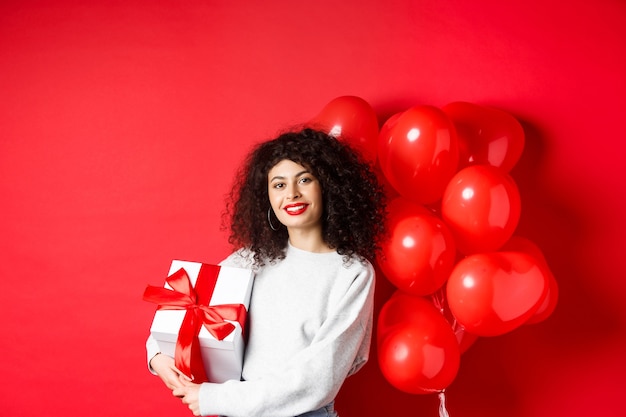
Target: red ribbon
pixel 188 357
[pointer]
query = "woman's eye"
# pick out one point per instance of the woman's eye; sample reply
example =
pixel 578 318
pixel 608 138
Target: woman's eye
pixel 279 185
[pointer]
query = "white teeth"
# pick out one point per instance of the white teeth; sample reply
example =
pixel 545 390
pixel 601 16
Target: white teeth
pixel 295 208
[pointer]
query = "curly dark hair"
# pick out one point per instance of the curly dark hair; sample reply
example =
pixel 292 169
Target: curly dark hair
pixel 354 202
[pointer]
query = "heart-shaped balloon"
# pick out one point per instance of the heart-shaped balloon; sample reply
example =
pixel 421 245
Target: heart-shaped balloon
pixel 353 120
pixel 494 293
pixel 486 135
pixel 548 305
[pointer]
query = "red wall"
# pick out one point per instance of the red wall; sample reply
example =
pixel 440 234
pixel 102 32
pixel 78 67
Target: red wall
pixel 121 124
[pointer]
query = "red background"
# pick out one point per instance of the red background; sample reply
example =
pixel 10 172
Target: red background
pixel 121 124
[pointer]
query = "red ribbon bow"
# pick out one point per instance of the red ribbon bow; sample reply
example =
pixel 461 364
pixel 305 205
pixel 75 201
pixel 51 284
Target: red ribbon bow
pixel 188 357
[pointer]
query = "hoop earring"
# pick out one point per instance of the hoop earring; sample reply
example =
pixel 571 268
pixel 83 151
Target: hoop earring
pixel 269 220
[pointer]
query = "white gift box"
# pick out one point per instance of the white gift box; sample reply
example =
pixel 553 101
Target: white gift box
pixel 222 359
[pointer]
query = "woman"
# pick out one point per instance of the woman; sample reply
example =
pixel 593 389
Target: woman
pixel 306 213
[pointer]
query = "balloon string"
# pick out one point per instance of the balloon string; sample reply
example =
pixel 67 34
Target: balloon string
pixel 442 405
pixel 437 299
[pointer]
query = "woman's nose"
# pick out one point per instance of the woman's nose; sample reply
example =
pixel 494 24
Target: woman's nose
pixel 293 191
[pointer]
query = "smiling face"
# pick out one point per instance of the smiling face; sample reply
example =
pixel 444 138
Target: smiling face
pixel 295 196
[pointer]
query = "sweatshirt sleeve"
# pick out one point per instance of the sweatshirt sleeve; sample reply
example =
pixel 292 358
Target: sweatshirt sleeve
pixel 152 348
pixel 313 377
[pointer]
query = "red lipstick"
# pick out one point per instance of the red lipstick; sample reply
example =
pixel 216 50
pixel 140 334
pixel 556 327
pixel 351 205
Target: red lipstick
pixel 295 209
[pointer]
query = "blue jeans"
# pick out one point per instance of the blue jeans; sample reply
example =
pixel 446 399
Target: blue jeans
pixel 326 411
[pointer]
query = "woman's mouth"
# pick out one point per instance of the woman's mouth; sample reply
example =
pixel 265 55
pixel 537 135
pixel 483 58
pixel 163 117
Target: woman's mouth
pixel 295 209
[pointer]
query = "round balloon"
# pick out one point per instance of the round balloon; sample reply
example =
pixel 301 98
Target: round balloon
pixel 419 154
pixel 418 353
pixel 493 293
pixel 420 252
pixel 352 119
pixel 481 205
pixel 399 308
pixel 486 135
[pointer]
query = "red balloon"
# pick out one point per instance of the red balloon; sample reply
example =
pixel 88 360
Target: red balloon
pixel 384 137
pixel 493 293
pixel 420 252
pixel 390 122
pixel 352 119
pixel 419 153
pixel 481 205
pixel 486 135
pixel 418 353
pixel 548 305
pixel 399 308
pixel 521 244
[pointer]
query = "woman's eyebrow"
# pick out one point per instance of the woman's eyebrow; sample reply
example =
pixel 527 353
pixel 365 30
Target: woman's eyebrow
pixel 299 174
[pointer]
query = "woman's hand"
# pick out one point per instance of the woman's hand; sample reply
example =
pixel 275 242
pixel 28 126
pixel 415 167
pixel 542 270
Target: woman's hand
pixel 188 393
pixel 165 368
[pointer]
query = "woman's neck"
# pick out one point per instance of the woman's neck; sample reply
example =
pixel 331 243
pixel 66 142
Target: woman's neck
pixel 310 241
